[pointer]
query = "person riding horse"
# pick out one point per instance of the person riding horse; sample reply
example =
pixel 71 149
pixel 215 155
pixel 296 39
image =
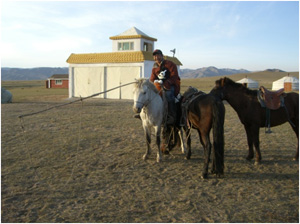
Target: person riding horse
pixel 165 73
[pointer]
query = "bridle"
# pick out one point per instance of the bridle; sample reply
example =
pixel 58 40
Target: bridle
pixel 148 101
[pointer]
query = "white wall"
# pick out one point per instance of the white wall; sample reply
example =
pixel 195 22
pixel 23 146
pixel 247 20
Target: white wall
pixel 148 69
pixel 138 44
pixel 88 79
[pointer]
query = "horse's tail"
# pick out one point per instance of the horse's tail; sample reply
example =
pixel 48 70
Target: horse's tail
pixel 218 136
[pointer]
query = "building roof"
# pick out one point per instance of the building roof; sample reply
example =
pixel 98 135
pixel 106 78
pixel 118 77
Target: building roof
pixel 132 33
pixel 60 76
pixel 115 57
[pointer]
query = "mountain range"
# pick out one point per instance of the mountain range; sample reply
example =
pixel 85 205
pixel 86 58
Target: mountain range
pixel 43 73
pixel 209 72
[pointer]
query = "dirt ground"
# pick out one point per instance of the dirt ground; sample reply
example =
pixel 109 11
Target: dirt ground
pixel 83 163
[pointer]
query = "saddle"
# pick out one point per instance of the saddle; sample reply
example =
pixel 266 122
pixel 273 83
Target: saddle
pixel 272 100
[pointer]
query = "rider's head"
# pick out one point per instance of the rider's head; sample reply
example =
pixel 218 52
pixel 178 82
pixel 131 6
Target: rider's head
pixel 158 56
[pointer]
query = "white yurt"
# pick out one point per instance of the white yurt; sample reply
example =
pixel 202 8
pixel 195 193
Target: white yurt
pixel 249 83
pixel 6 96
pixel 289 83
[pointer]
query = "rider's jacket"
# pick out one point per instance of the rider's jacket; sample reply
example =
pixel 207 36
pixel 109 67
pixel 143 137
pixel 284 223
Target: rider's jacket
pixel 171 75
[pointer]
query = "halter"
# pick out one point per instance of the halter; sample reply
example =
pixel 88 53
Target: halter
pixel 147 102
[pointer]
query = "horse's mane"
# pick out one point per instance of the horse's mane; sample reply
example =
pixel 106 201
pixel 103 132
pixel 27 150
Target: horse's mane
pixel 141 82
pixel 239 86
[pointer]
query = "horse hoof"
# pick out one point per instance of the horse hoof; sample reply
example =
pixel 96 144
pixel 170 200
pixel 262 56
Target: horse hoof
pixel 166 152
pixel 188 156
pixel 158 160
pixel 204 176
pixel 219 175
pixel 249 158
pixel 257 163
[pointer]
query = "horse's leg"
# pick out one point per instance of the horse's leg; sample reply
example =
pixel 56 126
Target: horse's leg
pixel 214 162
pixel 255 133
pixel 165 146
pixel 250 143
pixel 205 141
pixel 188 142
pixel 147 132
pixel 180 133
pixel 157 134
pixel 296 130
pixel 253 139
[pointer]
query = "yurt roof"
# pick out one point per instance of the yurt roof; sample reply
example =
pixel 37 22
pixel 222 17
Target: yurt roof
pixel 246 80
pixel 288 79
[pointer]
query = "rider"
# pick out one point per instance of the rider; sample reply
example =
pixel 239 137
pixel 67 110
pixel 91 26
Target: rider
pixel 165 72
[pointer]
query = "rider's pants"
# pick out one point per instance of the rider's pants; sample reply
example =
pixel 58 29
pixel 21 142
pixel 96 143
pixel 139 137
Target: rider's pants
pixel 170 96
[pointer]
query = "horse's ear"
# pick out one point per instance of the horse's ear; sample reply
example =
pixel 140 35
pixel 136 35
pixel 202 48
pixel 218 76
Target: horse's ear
pixel 223 81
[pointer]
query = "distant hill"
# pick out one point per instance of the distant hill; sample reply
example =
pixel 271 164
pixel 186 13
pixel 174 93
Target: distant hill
pixel 41 73
pixel 209 72
pixel 273 70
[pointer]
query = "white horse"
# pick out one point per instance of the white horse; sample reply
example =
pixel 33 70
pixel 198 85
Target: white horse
pixel 150 105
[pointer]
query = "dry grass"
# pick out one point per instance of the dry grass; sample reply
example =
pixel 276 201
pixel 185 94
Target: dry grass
pixel 33 91
pixel 83 163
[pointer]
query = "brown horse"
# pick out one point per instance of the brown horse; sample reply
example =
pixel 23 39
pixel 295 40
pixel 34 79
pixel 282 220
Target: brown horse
pixel 203 113
pixel 245 102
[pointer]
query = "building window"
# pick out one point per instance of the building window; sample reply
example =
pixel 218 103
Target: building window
pixel 148 47
pixel 58 82
pixel 125 46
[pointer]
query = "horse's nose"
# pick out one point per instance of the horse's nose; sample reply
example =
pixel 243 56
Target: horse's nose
pixel 136 109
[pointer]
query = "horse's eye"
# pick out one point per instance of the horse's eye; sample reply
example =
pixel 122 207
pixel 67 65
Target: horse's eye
pixel 144 93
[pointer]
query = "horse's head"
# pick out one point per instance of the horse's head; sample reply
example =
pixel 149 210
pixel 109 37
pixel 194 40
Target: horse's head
pixel 220 86
pixel 142 94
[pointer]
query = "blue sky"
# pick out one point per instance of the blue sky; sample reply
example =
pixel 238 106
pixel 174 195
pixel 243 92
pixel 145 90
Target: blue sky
pixel 249 35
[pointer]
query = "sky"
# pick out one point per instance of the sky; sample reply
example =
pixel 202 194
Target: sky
pixel 251 35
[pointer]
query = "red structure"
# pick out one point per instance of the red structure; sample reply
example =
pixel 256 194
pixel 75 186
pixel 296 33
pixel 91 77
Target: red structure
pixel 58 81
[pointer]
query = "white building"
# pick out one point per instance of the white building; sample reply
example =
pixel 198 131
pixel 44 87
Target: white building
pixel 131 58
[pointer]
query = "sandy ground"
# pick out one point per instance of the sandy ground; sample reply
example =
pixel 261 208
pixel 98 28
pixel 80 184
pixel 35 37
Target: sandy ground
pixel 83 163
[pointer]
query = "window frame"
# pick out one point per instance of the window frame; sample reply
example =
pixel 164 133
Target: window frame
pixel 58 82
pixel 126 46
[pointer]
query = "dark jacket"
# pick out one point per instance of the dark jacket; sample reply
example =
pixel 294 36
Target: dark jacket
pixel 172 77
